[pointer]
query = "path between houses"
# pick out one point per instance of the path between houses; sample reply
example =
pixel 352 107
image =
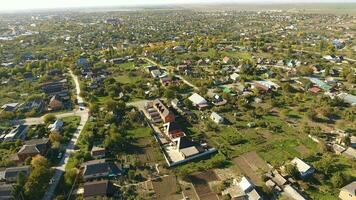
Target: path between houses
pixel 84 116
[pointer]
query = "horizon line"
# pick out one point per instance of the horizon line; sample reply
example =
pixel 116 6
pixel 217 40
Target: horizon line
pixel 157 5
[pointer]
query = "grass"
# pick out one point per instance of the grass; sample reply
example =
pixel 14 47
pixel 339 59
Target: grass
pixel 140 132
pixel 127 65
pixel 69 128
pixel 125 79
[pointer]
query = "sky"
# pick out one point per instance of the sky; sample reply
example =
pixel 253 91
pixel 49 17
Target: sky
pixel 6 5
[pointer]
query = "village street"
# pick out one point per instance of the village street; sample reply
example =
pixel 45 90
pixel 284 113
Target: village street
pixel 84 116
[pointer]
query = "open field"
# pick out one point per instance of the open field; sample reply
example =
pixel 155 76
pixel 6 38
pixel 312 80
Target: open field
pixel 252 165
pixel 201 184
pixel 167 188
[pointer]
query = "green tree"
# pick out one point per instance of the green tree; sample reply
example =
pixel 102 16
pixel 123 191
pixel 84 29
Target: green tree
pixel 338 179
pixel 292 170
pixel 38 180
pixel 324 164
pixel 49 118
pixel 17 190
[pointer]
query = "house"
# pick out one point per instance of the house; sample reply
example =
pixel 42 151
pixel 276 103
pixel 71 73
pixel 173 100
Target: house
pixel 165 114
pixel 6 192
pixel 235 76
pixel 175 103
pixel 97 169
pixel 350 152
pixel 9 107
pixel 348 192
pixel 339 44
pixel 28 76
pixel 36 105
pixel 100 190
pixel 151 68
pixel 226 60
pixel 320 84
pixel 17 133
pixel 32 148
pixel 58 88
pixel 187 147
pixel 245 189
pixel 216 118
pixel 266 86
pixel 198 101
pixel 56 126
pixel 182 68
pixel 173 130
pixel 55 72
pixel 338 149
pixel 314 90
pixel 292 193
pixel 166 81
pixel 303 168
pixel 179 49
pixel 12 173
pixel 156 73
pixel 55 103
pixel 97 152
pixel 83 63
pixel 353 141
pixel 348 98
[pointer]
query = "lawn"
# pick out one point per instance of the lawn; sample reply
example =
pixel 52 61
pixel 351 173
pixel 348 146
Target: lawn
pixel 70 126
pixel 140 132
pixel 127 65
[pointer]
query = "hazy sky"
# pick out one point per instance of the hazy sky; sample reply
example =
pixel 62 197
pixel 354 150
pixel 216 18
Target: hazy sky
pixel 40 4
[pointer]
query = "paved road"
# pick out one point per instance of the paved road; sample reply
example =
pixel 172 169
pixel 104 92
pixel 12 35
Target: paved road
pixel 84 116
pixel 40 120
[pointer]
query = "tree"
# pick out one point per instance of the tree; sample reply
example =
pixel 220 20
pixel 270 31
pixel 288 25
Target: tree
pixel 169 94
pixel 49 118
pixel 69 176
pixel 55 137
pixel 292 170
pixel 324 164
pixel 38 180
pixel 17 191
pixel 338 179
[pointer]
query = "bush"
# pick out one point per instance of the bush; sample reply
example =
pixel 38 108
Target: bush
pixel 49 118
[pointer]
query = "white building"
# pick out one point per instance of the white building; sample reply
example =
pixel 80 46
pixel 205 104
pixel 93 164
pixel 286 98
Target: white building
pixel 56 126
pixel 303 168
pixel 216 118
pixel 198 101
